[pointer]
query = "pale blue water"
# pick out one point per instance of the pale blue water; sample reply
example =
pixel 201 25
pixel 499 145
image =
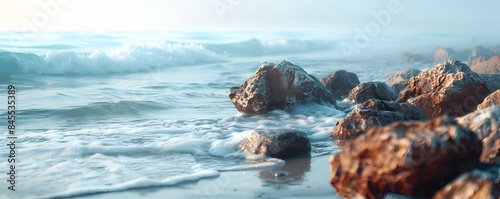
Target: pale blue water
pixel 102 112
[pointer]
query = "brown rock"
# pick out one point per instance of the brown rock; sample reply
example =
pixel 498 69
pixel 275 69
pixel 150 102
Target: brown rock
pixel 372 90
pixel 398 87
pixel 450 88
pixel 471 185
pixel 279 86
pixel 340 83
pixel 278 144
pixel 491 100
pixel 491 66
pixel 481 52
pixel 486 124
pixel 403 76
pixel 407 158
pixel 375 113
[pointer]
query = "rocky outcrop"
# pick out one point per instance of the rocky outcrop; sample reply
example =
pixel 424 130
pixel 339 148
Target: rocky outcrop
pixel 372 90
pixel 486 124
pixel 407 158
pixel 375 113
pixel 483 53
pixel 399 80
pixel 491 66
pixel 491 100
pixel 279 86
pixel 340 83
pixel 278 144
pixel 471 185
pixel 449 88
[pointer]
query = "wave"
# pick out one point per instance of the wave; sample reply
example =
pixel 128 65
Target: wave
pixel 140 57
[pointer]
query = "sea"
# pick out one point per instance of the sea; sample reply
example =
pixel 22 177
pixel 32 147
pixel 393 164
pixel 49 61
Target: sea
pixel 101 112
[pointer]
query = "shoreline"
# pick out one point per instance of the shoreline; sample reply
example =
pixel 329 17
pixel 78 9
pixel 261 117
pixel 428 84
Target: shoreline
pixel 299 178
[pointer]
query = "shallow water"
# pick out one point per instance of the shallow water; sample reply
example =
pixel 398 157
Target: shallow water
pixel 107 112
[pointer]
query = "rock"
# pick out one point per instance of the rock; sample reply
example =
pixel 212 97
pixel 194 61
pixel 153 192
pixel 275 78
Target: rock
pixel 491 100
pixel 280 86
pixel 481 52
pixel 486 124
pixel 408 158
pixel 372 90
pixel 403 76
pixel 278 144
pixel 450 88
pixel 340 83
pixel 491 66
pixel 375 113
pixel 491 81
pixel 472 185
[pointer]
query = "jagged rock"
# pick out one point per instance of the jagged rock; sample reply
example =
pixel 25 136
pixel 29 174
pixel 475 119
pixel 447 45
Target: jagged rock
pixel 486 124
pixel 278 144
pixel 340 83
pixel 375 113
pixel 407 158
pixel 279 86
pixel 490 66
pixel 491 80
pixel 449 88
pixel 372 90
pixel 472 185
pixel 403 75
pixel 491 100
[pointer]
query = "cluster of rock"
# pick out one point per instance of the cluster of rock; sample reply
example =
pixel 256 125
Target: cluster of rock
pixel 441 54
pixel 436 135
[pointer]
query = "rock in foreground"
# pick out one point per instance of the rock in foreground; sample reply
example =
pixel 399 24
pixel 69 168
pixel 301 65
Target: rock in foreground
pixel 450 88
pixel 280 86
pixel 278 144
pixel 491 100
pixel 340 83
pixel 486 124
pixel 471 185
pixel 407 158
pixel 372 90
pixel 375 113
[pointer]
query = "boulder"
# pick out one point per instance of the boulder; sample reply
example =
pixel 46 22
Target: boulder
pixel 398 87
pixel 408 158
pixel 375 113
pixel 486 124
pixel 476 184
pixel 491 100
pixel 278 144
pixel 340 83
pixel 278 87
pixel 372 90
pixel 449 88
pixel 490 66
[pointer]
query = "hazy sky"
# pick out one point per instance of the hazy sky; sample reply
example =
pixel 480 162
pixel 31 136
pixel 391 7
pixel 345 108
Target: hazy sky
pixel 109 15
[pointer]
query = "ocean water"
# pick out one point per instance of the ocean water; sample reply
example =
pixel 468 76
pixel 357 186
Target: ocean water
pixel 101 112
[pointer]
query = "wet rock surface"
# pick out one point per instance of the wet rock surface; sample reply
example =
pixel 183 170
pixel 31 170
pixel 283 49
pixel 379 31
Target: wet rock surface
pixel 486 124
pixel 340 83
pixel 476 184
pixel 375 113
pixel 449 88
pixel 491 100
pixel 278 87
pixel 278 144
pixel 407 158
pixel 372 90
